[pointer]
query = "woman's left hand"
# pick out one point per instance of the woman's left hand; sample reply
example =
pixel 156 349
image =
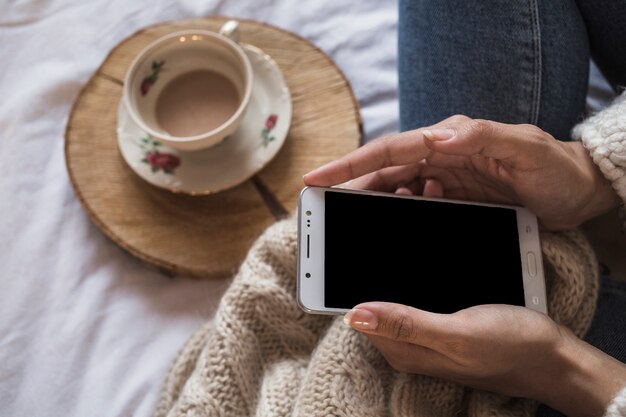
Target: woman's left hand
pixel 506 349
pixel 480 160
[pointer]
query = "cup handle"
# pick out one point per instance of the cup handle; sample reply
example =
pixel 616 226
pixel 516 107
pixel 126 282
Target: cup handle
pixel 230 29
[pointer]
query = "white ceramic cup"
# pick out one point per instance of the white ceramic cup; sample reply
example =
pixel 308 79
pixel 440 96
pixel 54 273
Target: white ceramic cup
pixel 178 53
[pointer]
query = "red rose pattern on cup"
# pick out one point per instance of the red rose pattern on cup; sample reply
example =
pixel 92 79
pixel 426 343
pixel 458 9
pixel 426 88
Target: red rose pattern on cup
pixel 152 78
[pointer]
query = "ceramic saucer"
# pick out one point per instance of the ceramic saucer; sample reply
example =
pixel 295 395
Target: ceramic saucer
pixel 241 155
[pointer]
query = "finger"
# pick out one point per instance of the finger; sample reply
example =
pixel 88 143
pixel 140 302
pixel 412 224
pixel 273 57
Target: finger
pixel 386 179
pixel 433 189
pixel 406 146
pixel 442 160
pixel 401 323
pixel 407 357
pixel 402 190
pixel 460 184
pixel 487 138
pixel 415 186
pixel 449 178
pixel 401 149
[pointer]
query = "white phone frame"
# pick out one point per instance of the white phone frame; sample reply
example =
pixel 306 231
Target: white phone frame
pixel 311 217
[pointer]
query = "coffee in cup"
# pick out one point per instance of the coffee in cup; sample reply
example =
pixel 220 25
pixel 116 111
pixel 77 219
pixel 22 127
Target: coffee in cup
pixel 189 89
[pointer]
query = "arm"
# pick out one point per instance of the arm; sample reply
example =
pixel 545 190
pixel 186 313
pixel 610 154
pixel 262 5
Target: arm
pixel 604 136
pixel 505 349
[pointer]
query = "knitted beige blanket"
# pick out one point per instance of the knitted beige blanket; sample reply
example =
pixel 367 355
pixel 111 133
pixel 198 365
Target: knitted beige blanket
pixel 263 356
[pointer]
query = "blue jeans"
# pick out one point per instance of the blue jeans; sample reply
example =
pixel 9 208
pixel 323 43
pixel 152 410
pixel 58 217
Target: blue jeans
pixel 515 61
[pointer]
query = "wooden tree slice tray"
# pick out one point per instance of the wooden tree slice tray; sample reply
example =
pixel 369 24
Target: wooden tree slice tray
pixel 206 236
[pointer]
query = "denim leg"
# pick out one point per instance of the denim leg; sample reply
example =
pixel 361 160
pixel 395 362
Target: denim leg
pixel 514 61
pixel 608 329
pixel 605 21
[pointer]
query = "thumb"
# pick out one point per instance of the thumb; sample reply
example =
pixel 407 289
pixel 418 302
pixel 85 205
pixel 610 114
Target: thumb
pixel 484 137
pixel 399 323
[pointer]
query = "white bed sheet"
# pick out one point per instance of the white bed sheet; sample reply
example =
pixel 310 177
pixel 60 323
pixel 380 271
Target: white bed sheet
pixel 85 329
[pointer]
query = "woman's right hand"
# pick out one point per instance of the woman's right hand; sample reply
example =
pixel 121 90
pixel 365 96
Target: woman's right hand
pixel 480 160
pixel 506 349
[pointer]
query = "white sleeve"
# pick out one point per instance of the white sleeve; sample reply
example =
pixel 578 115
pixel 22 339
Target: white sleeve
pixel 604 136
pixel 617 407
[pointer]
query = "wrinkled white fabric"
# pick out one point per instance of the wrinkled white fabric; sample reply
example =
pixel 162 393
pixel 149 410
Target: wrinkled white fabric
pixel 85 329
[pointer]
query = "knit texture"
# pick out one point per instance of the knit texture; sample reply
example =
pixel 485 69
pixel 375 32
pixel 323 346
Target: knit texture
pixel 617 407
pixel 604 136
pixel 262 356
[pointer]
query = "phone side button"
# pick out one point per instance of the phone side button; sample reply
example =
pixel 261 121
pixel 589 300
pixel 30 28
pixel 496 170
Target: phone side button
pixel 532 264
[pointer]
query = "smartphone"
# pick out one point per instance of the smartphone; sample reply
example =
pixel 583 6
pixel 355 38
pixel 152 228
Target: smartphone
pixel 433 254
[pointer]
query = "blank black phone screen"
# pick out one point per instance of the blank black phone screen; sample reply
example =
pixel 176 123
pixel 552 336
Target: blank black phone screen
pixel 436 256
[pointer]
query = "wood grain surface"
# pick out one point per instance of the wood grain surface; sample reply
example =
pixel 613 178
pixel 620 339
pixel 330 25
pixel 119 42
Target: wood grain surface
pixel 206 236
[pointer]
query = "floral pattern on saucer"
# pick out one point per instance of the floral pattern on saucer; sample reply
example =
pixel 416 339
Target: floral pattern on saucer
pixel 158 160
pixel 269 125
pixel 245 152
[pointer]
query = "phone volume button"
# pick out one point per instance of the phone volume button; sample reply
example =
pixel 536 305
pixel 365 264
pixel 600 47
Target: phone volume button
pixel 308 246
pixel 531 261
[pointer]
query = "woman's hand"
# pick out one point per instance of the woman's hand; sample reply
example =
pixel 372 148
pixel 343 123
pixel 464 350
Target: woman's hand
pixel 506 349
pixel 480 160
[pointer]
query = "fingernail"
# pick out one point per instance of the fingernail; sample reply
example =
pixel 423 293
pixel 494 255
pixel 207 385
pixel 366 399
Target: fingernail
pixel 361 319
pixel 313 171
pixel 438 134
pixel 305 177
